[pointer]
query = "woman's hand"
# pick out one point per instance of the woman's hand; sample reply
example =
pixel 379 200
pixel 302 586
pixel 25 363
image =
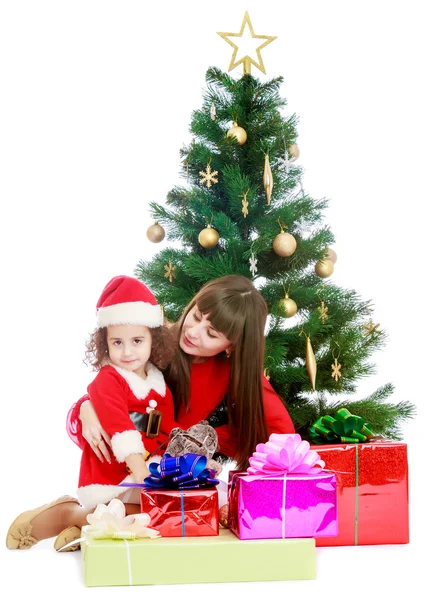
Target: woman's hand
pixel 94 433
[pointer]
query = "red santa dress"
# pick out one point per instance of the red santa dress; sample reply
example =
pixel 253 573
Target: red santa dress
pixel 116 392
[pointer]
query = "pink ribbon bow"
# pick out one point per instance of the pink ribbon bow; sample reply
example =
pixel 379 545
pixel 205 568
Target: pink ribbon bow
pixel 284 453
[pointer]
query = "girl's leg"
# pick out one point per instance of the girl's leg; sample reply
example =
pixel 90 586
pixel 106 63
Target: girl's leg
pixel 44 522
pixel 132 509
pixel 50 520
pixel 73 532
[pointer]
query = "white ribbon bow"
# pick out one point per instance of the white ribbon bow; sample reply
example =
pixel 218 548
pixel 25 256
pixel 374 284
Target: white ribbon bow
pixel 111 522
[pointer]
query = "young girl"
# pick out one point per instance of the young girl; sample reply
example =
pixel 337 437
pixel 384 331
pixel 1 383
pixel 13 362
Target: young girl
pixel 133 404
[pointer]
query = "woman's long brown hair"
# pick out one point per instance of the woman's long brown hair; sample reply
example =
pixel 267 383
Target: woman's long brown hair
pixel 236 309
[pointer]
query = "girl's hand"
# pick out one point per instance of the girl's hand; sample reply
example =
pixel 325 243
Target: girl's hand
pixel 140 475
pixel 94 433
pixel 138 467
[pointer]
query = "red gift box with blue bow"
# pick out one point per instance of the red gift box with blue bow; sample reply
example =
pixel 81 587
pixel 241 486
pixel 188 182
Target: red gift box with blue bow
pixel 181 498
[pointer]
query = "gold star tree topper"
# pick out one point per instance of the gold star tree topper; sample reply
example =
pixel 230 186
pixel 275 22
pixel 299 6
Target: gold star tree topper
pixel 247 60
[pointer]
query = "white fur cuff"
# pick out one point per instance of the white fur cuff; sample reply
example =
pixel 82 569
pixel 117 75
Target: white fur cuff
pixel 127 442
pixel 91 495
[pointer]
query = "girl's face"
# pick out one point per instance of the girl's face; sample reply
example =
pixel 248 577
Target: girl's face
pixel 129 347
pixel 199 339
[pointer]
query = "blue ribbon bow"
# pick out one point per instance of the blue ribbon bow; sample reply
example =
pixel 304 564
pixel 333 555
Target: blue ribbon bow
pixel 180 472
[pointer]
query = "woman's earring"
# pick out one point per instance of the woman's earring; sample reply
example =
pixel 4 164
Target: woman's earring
pixel 228 352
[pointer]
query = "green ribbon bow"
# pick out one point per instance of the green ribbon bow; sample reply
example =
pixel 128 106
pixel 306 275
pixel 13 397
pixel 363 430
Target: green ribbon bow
pixel 342 428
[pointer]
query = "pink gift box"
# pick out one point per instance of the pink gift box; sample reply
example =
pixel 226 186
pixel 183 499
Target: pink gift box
pixel 283 506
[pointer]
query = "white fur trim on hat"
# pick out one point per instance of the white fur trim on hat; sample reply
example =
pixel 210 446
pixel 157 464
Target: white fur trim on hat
pixel 142 387
pixel 96 493
pixel 130 313
pixel 127 442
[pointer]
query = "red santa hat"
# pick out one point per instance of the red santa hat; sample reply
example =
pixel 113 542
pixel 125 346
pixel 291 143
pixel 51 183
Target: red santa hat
pixel 127 301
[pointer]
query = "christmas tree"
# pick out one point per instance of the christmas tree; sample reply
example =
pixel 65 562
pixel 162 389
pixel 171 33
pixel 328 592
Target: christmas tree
pixel 244 211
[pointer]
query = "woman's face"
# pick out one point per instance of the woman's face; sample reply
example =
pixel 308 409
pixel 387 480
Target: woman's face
pixel 199 339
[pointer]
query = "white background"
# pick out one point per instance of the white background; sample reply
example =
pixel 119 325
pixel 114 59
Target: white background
pixel 96 100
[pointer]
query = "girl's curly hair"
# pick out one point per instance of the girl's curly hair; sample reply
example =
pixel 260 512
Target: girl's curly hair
pixel 163 348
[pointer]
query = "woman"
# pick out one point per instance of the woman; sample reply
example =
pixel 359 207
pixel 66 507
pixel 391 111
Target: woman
pixel 216 375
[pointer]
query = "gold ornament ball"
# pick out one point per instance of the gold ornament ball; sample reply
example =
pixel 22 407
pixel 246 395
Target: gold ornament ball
pixel 294 151
pixel 324 268
pixel 239 133
pixel 223 515
pixel 284 244
pixel 155 233
pixel 208 237
pixel 331 255
pixel 289 306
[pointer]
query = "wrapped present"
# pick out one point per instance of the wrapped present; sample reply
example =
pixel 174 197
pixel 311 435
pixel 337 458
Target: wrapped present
pixel 284 494
pixel 180 497
pixel 214 559
pixel 181 513
pixel 372 482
